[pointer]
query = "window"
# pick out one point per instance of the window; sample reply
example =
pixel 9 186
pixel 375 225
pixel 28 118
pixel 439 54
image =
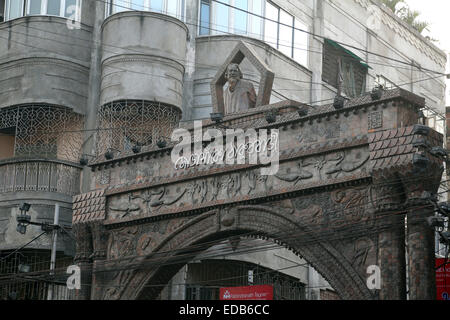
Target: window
pixel 70 8
pixel 14 9
pixel 285 36
pixel 53 7
pixel 240 17
pixel 255 21
pixel 35 7
pixel 201 293
pixel 286 33
pixel 221 17
pixel 300 43
pixel 171 7
pixel 62 8
pixel 156 5
pixel 2 10
pixel 279 28
pixel 204 17
pixel 353 72
pixel 271 27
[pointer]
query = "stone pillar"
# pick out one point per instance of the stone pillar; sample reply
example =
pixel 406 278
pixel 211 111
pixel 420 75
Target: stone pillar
pixel 99 240
pixel 421 253
pixel 391 255
pixel 390 222
pixel 83 259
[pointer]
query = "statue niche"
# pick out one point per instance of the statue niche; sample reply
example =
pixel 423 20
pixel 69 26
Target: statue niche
pixel 239 95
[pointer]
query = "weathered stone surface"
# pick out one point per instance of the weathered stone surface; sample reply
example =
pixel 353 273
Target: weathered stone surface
pixel 338 200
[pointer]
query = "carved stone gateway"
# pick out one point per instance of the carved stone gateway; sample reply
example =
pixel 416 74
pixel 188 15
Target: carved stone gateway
pixel 339 200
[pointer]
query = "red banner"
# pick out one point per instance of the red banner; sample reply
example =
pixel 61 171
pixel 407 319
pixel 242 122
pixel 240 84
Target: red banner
pixel 442 279
pixel 262 292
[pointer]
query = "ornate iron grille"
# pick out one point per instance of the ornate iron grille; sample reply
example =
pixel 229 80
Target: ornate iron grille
pixel 39 175
pixel 44 131
pixel 124 124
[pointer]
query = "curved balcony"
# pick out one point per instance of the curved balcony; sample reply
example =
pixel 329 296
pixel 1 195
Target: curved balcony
pixel 39 175
pixel 145 65
pixel 42 60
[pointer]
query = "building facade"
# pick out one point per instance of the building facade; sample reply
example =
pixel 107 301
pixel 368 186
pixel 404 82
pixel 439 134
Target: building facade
pixel 89 79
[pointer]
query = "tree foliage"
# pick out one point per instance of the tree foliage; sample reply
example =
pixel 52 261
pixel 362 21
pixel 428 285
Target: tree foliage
pixel 402 10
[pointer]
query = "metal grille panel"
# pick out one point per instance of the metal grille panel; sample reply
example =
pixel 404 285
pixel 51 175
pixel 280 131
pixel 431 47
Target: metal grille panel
pixel 44 131
pixel 33 284
pixel 123 124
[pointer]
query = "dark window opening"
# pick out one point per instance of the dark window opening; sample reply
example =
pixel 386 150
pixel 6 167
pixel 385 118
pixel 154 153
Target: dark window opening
pixel 351 74
pixel 2 10
pixel 7 141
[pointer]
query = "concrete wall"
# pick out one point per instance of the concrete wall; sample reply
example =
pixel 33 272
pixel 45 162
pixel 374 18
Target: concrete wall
pixel 138 61
pixel 40 211
pixel 364 24
pixel 42 60
pixel 292 81
pixel 41 184
pixel 361 23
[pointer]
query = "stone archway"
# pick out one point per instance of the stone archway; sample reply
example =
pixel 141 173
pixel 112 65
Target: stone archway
pixel 339 200
pixel 288 226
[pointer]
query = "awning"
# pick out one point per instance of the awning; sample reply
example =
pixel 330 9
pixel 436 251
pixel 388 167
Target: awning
pixel 338 46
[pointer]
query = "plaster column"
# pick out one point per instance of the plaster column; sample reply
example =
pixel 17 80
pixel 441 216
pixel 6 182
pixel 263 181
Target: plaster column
pixel 94 90
pixel 315 58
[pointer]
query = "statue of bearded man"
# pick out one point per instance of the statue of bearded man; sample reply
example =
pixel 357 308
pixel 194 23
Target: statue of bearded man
pixel 240 95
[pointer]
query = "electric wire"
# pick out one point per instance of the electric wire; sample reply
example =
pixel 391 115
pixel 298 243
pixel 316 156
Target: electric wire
pixel 208 257
pixel 372 201
pixel 134 50
pixel 430 78
pixel 347 208
pixel 239 252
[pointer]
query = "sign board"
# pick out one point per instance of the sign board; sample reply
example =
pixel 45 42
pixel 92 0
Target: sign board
pixel 442 279
pixel 261 292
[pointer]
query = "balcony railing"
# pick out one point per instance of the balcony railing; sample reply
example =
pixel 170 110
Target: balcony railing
pixel 41 175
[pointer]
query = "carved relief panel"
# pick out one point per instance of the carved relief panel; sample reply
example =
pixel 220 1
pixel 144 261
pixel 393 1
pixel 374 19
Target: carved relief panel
pixel 236 186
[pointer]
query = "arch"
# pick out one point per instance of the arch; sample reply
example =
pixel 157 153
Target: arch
pixel 269 222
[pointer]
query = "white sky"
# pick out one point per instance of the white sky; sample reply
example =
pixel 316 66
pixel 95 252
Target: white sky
pixel 437 14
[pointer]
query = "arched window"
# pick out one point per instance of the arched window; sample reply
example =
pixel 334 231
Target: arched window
pixel 61 8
